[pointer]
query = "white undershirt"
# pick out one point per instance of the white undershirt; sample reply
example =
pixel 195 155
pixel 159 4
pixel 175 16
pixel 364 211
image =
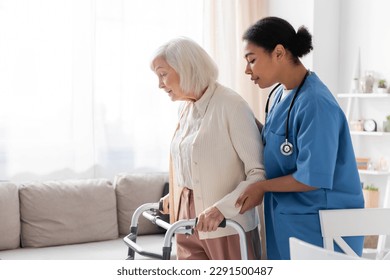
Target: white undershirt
pixel 285 93
pixel 182 143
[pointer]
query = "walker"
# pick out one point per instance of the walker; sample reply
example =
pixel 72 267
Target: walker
pixel 150 211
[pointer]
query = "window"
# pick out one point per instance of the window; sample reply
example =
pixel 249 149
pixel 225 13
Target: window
pixel 78 98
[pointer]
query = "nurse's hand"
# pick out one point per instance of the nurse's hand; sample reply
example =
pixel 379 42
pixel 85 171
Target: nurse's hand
pixel 251 197
pixel 209 219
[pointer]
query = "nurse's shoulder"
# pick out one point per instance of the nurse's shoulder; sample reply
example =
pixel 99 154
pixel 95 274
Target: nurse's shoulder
pixel 317 93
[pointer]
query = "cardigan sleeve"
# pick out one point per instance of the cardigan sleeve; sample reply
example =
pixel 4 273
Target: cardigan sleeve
pixel 246 139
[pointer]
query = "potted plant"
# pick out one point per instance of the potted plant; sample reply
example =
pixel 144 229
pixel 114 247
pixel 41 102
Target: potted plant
pixel 371 200
pixel 386 124
pixel 382 86
pixel 371 196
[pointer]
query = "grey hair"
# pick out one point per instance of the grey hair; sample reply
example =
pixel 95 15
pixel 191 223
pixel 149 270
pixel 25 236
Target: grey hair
pixel 193 64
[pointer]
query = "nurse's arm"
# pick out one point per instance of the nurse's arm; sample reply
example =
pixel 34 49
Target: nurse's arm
pixel 254 193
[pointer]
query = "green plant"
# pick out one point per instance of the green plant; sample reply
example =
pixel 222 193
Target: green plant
pixel 388 118
pixel 382 83
pixel 371 187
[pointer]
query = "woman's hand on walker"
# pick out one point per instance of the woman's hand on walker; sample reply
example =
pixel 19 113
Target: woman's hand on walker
pixel 165 204
pixel 251 197
pixel 209 219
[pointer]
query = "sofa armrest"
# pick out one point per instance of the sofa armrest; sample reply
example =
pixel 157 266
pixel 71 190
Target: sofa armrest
pixel 9 216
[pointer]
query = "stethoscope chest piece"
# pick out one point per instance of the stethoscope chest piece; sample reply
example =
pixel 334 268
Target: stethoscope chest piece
pixel 286 148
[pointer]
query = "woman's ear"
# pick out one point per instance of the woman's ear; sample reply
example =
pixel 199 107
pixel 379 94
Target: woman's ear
pixel 279 52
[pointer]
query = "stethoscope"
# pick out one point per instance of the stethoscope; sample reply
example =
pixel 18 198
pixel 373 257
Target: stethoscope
pixel 286 148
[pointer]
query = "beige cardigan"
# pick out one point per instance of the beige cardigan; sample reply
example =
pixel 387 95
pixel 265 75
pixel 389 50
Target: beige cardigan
pixel 226 158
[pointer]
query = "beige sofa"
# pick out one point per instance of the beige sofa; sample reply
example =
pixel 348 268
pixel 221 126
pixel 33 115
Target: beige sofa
pixel 77 219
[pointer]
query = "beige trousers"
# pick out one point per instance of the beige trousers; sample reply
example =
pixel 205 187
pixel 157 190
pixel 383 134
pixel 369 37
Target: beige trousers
pixel 223 248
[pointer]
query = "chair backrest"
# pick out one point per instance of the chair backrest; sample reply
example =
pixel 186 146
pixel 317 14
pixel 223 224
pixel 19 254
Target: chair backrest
pixel 353 222
pixel 387 256
pixel 301 250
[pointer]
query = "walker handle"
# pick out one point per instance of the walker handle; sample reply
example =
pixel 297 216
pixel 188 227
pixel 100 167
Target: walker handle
pixel 222 224
pixel 160 205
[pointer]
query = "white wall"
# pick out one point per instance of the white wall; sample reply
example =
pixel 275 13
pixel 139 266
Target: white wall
pixel 296 12
pixel 322 20
pixel 326 42
pixel 364 25
pixel 340 29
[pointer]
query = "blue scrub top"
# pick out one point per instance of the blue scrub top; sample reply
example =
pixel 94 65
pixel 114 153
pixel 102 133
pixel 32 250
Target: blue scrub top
pixel 322 157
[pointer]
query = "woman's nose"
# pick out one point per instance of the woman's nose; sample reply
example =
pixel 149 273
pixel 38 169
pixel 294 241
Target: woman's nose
pixel 248 69
pixel 160 84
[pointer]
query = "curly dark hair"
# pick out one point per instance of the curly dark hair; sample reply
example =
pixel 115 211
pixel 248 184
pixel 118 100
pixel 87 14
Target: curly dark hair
pixel 271 31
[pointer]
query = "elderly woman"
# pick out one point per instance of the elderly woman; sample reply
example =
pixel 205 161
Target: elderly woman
pixel 215 153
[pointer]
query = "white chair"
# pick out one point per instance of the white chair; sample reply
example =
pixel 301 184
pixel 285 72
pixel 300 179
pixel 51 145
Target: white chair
pixel 387 256
pixel 354 222
pixel 302 250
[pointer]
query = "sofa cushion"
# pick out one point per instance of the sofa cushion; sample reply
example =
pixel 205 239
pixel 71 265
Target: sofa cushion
pixel 133 190
pixel 114 249
pixel 9 217
pixel 67 212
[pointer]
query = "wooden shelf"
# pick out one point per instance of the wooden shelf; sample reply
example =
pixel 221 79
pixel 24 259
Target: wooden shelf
pixel 363 95
pixel 375 133
pixel 351 102
pixel 374 172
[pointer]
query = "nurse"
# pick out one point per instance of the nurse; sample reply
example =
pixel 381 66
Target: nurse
pixel 308 155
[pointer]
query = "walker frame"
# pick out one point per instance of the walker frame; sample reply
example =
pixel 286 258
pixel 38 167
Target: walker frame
pixel 150 211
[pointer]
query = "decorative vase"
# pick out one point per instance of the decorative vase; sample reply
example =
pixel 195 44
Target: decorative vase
pixel 367 83
pixel 386 126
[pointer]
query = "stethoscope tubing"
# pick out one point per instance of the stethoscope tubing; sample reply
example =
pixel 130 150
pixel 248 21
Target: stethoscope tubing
pixel 286 148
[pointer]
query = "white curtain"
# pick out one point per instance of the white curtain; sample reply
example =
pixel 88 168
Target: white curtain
pixel 226 22
pixel 77 96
